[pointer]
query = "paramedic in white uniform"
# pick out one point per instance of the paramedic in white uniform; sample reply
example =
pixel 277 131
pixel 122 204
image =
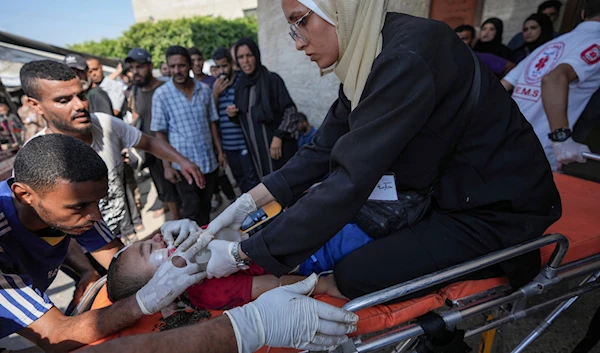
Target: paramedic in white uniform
pixel 553 85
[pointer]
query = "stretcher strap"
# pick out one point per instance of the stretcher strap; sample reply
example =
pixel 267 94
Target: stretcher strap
pixel 437 338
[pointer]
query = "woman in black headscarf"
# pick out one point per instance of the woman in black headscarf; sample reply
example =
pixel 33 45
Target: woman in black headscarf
pixel 537 30
pixel 490 40
pixel 265 111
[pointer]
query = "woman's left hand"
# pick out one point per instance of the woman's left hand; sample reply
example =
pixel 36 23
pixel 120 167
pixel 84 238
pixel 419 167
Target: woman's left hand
pixel 276 144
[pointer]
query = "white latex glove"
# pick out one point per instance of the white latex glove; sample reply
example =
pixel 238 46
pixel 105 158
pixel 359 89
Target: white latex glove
pixel 176 232
pixel 569 151
pixel 286 318
pixel 234 215
pixel 221 263
pixel 170 281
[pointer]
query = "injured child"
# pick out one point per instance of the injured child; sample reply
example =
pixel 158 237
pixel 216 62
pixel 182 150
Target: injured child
pixel 134 267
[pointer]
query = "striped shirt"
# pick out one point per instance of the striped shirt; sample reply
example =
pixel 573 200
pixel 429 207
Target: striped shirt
pixel 232 137
pixel 29 264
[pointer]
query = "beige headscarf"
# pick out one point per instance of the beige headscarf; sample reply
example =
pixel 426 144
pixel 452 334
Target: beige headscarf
pixel 358 24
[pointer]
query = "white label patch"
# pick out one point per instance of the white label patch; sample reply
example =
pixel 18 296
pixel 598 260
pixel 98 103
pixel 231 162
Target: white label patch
pixel 530 93
pixel 385 190
pixel 543 62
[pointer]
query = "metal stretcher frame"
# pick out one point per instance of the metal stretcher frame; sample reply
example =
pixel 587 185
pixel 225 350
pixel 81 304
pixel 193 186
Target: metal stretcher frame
pixel 406 337
pixel 513 304
pixel 550 275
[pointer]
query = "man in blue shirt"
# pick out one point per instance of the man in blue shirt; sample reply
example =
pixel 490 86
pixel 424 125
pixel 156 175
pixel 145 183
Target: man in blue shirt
pixel 232 136
pixel 184 115
pixel 306 131
pixel 53 198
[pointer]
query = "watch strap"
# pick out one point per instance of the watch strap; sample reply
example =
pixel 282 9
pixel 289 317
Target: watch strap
pixel 235 252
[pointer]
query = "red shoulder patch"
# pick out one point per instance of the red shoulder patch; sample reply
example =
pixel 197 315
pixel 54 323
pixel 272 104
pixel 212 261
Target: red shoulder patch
pixel 591 55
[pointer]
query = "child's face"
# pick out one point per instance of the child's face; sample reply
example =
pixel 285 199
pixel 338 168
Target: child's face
pixel 135 258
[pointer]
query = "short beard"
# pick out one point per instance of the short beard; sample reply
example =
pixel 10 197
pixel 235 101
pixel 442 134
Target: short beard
pixel 43 215
pixel 145 81
pixel 65 126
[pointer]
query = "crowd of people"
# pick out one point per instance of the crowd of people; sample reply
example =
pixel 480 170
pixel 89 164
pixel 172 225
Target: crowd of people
pixel 206 117
pixel 471 170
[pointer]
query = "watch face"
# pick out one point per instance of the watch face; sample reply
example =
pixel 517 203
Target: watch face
pixel 561 135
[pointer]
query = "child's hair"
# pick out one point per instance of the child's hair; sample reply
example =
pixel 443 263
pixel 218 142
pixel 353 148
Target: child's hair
pixel 120 285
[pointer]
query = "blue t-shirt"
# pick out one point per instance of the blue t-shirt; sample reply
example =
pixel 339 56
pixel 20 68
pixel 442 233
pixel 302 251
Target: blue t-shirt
pixel 209 80
pixel 232 136
pixel 306 139
pixel 29 264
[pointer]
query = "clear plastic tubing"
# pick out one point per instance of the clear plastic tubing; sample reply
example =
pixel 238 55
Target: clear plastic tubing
pixel 160 256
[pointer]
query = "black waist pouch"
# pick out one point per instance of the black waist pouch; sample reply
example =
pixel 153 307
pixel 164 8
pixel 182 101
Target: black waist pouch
pixel 381 218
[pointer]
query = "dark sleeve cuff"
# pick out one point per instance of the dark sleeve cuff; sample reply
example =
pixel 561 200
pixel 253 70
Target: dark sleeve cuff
pixel 257 250
pixel 281 134
pixel 279 188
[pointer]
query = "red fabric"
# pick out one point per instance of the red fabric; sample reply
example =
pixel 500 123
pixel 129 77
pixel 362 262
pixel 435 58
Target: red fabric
pixel 225 293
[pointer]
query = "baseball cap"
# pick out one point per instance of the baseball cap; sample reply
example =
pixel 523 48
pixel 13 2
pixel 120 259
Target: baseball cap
pixel 75 61
pixel 139 55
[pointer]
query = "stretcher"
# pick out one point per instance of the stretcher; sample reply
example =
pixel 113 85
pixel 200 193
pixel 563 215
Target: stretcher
pixel 571 249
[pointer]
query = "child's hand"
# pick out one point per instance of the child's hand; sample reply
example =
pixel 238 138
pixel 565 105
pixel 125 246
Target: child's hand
pixel 326 285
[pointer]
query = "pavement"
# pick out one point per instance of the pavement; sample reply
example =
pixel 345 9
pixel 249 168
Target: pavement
pixel 561 337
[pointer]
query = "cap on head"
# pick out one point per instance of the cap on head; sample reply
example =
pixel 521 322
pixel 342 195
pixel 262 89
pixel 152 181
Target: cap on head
pixel 139 55
pixel 75 61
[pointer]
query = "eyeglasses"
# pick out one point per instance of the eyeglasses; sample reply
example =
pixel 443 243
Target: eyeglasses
pixel 295 28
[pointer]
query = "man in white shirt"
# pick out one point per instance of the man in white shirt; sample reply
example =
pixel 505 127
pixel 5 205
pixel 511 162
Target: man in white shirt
pixel 111 87
pixel 553 85
pixel 65 109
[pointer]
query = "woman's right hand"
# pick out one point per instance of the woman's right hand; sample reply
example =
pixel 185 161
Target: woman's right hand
pixel 275 148
pixel 233 216
pixel 232 111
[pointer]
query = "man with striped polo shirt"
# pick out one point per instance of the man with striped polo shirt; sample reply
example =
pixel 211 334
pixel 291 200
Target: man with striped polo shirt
pixel 232 137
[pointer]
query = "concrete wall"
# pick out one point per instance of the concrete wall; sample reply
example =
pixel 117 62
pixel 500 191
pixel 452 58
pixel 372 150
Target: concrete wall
pixel 314 94
pixel 145 10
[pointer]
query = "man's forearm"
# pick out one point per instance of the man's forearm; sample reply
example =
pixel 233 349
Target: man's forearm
pixel 213 336
pixel 65 333
pixel 555 95
pixel 160 148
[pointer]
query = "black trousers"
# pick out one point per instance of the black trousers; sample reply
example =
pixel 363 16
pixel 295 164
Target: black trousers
pixel 167 192
pixel 195 202
pixel 132 217
pixel 224 185
pixel 421 249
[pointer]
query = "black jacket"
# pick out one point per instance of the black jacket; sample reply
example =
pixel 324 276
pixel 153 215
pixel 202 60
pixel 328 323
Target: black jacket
pixel 497 185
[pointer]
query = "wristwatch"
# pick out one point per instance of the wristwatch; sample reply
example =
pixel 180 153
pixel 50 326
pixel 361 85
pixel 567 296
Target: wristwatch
pixel 235 252
pixel 560 135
